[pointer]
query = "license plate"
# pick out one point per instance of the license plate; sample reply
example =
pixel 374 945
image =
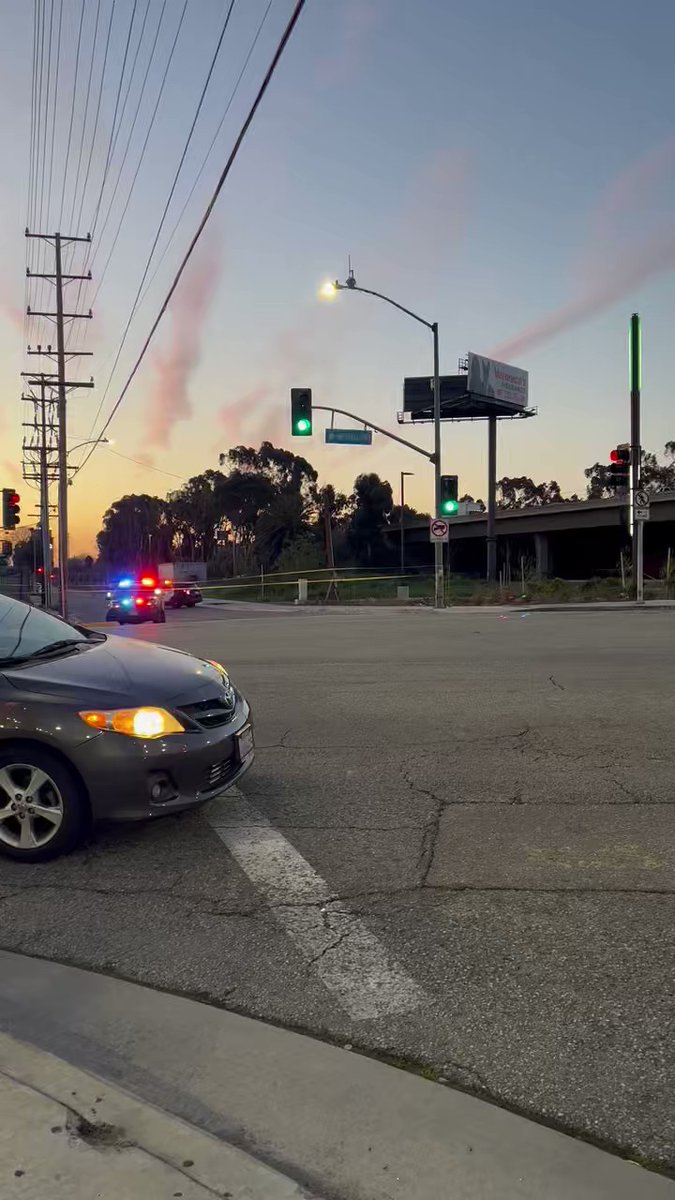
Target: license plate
pixel 245 742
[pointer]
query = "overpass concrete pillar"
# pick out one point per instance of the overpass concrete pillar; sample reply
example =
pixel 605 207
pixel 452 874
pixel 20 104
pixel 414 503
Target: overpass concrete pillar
pixel 542 552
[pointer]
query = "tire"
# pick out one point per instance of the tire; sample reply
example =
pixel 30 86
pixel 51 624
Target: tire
pixel 59 792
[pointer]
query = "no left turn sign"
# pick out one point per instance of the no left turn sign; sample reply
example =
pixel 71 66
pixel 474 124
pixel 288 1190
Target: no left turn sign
pixel 439 530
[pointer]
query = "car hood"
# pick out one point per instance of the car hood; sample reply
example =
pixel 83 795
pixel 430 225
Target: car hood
pixel 118 672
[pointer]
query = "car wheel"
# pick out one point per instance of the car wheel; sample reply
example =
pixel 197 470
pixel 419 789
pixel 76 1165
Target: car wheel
pixel 43 811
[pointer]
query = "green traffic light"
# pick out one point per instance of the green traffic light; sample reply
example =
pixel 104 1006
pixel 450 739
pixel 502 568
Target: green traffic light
pixel 449 508
pixel 303 425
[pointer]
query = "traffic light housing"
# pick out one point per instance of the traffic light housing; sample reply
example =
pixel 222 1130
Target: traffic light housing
pixel 448 505
pixel 10 508
pixel 619 468
pixel 301 412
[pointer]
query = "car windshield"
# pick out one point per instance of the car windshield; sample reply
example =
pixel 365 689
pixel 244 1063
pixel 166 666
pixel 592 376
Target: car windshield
pixel 27 632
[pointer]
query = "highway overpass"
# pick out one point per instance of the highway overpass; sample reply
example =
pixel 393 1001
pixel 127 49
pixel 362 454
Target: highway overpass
pixel 577 540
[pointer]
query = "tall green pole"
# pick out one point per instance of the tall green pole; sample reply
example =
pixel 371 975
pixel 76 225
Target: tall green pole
pixel 635 379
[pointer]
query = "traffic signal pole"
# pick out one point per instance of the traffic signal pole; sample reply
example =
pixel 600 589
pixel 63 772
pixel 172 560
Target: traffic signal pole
pixel 637 527
pixel 439 588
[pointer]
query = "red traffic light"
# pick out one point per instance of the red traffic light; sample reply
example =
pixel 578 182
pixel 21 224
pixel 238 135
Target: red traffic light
pixel 14 498
pixel 620 455
pixel 614 456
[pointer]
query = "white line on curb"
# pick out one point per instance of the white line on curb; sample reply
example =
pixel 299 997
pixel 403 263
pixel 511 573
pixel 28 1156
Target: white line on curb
pixel 348 958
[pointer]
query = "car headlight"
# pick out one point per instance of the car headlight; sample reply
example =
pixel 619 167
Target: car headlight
pixel 134 722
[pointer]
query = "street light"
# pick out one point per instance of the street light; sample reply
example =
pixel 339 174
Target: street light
pixel 90 442
pixel 403 476
pixel 330 289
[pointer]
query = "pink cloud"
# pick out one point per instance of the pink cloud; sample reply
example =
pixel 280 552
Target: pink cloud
pixel 356 22
pixel 174 365
pixel 624 249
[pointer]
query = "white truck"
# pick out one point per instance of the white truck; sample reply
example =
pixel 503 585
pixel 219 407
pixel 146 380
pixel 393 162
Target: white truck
pixel 180 581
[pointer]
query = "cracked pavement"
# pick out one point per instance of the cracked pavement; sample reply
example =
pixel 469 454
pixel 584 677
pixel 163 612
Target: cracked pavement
pixel 496 811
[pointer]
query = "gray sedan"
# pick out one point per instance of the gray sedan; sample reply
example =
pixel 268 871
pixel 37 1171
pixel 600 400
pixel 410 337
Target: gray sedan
pixel 98 727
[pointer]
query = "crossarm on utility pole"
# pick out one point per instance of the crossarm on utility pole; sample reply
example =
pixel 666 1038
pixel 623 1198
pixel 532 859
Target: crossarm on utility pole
pixel 378 429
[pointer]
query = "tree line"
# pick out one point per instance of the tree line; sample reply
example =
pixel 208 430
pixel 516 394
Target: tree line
pixel 265 508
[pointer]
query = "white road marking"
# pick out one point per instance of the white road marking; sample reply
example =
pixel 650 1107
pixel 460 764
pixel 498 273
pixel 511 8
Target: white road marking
pixel 348 958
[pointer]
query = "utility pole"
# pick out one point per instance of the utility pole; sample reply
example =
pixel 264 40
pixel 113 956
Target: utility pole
pixel 637 526
pixel 44 504
pixel 62 386
pixel 39 450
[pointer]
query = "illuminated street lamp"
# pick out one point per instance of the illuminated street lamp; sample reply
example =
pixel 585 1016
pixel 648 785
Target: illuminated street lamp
pixel 327 292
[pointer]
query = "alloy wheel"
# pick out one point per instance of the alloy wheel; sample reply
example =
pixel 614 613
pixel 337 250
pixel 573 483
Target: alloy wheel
pixel 31 806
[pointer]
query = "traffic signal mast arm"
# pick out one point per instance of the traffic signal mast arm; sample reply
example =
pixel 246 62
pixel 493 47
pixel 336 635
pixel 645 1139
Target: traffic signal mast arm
pixel 378 429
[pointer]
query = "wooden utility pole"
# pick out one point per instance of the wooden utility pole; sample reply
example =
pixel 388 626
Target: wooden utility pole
pixel 61 386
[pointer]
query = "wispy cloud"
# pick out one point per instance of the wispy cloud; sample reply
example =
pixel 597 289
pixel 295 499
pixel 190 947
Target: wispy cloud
pixel 356 22
pixel 174 365
pixel 631 239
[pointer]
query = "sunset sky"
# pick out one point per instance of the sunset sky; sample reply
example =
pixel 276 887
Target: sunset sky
pixel 506 167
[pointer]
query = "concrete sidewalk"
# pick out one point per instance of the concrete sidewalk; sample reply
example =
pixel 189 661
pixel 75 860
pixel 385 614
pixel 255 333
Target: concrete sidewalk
pixel 282 1106
pixel 69 1136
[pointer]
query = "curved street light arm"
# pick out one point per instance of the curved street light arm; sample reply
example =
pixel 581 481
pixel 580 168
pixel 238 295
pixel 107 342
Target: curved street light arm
pixel 354 287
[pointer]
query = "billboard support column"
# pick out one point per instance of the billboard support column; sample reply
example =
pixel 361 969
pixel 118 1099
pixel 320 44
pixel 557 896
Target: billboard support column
pixel 492 501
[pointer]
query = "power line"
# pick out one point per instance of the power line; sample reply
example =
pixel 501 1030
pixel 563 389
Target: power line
pixel 33 105
pixel 72 113
pixel 39 292
pixel 208 152
pixel 209 209
pixel 96 120
pixel 89 261
pixel 143 149
pixel 147 466
pixel 126 100
pixel 55 108
pixel 179 168
pixel 113 128
pixel 86 114
pixel 126 149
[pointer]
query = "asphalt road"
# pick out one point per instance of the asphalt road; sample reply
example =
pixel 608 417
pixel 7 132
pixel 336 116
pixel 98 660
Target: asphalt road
pixel 455 848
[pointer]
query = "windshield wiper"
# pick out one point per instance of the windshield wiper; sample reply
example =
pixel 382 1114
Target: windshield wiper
pixel 53 647
pixel 43 652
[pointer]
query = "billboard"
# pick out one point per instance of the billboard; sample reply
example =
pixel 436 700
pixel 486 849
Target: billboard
pixel 497 381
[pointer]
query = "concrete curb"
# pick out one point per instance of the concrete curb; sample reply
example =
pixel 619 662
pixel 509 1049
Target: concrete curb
pixel 66 1133
pixel 348 1126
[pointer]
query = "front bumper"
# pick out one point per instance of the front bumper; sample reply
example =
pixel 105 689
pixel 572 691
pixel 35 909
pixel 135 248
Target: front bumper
pixel 120 773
